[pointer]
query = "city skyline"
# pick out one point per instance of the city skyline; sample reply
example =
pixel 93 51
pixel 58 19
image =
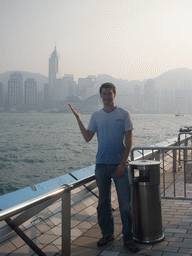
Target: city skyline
pixel 137 99
pixel 133 40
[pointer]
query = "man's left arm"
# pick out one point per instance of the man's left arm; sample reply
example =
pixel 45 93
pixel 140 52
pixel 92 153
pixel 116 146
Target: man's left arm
pixel 129 141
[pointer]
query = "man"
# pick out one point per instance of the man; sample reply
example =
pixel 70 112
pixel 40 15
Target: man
pixel 112 124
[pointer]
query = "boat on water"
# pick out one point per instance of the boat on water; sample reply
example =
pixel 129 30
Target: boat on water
pixel 186 129
pixel 179 114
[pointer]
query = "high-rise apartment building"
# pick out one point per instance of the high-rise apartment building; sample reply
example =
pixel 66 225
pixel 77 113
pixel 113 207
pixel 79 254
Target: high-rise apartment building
pixel 150 97
pixel 46 97
pixel 137 98
pixel 1 96
pixel 17 76
pixel 30 98
pixel 15 90
pixel 65 87
pixel 86 86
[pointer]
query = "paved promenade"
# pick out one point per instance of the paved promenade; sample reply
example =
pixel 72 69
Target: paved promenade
pixel 177 225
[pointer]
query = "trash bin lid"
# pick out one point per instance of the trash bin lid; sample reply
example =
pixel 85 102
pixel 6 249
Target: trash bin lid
pixel 143 164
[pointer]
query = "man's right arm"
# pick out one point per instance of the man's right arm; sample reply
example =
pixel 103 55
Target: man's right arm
pixel 87 135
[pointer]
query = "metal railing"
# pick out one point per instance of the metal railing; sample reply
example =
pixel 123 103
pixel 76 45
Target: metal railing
pixel 39 203
pixel 187 133
pixel 179 158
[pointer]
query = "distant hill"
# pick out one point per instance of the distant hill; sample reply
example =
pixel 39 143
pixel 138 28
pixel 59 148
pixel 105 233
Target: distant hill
pixel 121 85
pixel 41 79
pixel 175 78
pixel 172 79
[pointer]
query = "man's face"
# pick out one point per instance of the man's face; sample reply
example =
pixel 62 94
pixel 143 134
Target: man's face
pixel 107 96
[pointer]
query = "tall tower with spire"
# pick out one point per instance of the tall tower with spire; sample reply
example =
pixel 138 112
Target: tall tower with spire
pixel 53 69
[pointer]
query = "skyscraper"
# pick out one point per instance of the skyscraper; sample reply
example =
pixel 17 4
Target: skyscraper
pixel 15 90
pixel 30 93
pixel 65 87
pixel 53 74
pixel 53 68
pixel 1 95
pixel 87 86
pixel 150 100
pixel 46 97
pixel 17 76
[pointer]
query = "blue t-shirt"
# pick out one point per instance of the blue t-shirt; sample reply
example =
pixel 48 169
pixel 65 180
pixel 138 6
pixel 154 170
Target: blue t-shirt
pixel 110 128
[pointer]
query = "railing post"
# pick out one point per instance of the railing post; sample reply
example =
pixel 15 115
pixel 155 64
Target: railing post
pixel 66 223
pixel 186 141
pixel 132 155
pixel 190 145
pixel 174 160
pixel 179 150
pixel 185 162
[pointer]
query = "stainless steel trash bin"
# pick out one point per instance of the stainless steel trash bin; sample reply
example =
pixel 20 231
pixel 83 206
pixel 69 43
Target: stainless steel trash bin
pixel 144 178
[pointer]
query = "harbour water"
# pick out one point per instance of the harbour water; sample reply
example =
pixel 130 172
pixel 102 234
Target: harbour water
pixel 35 147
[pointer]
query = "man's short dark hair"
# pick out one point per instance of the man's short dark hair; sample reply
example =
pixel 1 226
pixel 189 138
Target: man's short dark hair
pixel 108 85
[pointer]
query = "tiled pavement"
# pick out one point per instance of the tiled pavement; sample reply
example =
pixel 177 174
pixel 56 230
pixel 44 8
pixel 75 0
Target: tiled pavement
pixel 45 229
pixel 177 223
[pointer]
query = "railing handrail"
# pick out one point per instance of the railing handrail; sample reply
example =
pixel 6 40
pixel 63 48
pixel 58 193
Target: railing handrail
pixel 162 148
pixel 43 198
pixel 155 149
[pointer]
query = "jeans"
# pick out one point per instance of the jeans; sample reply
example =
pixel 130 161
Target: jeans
pixel 104 173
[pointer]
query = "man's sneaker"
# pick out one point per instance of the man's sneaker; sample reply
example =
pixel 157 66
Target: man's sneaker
pixel 132 246
pixel 105 240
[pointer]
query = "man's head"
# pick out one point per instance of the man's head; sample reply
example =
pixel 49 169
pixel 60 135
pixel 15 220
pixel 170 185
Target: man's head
pixel 108 85
pixel 107 94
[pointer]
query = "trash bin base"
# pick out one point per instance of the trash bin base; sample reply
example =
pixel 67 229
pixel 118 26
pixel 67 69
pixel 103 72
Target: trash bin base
pixel 147 220
pixel 150 241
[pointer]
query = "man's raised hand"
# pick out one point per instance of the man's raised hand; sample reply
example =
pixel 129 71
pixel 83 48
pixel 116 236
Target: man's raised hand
pixel 88 135
pixel 75 112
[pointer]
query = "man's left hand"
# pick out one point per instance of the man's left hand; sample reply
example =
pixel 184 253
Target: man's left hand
pixel 120 170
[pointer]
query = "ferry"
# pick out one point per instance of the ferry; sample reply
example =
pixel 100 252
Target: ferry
pixel 179 114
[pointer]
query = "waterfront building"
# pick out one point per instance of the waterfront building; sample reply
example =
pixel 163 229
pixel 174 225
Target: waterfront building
pixel 68 86
pixel 86 86
pixel 46 97
pixel 150 98
pixel 138 99
pixel 64 87
pixel 17 76
pixel 15 91
pixel 39 101
pixel 1 97
pixel 30 98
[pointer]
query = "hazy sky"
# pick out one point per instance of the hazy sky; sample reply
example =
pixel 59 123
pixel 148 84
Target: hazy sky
pixel 128 39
